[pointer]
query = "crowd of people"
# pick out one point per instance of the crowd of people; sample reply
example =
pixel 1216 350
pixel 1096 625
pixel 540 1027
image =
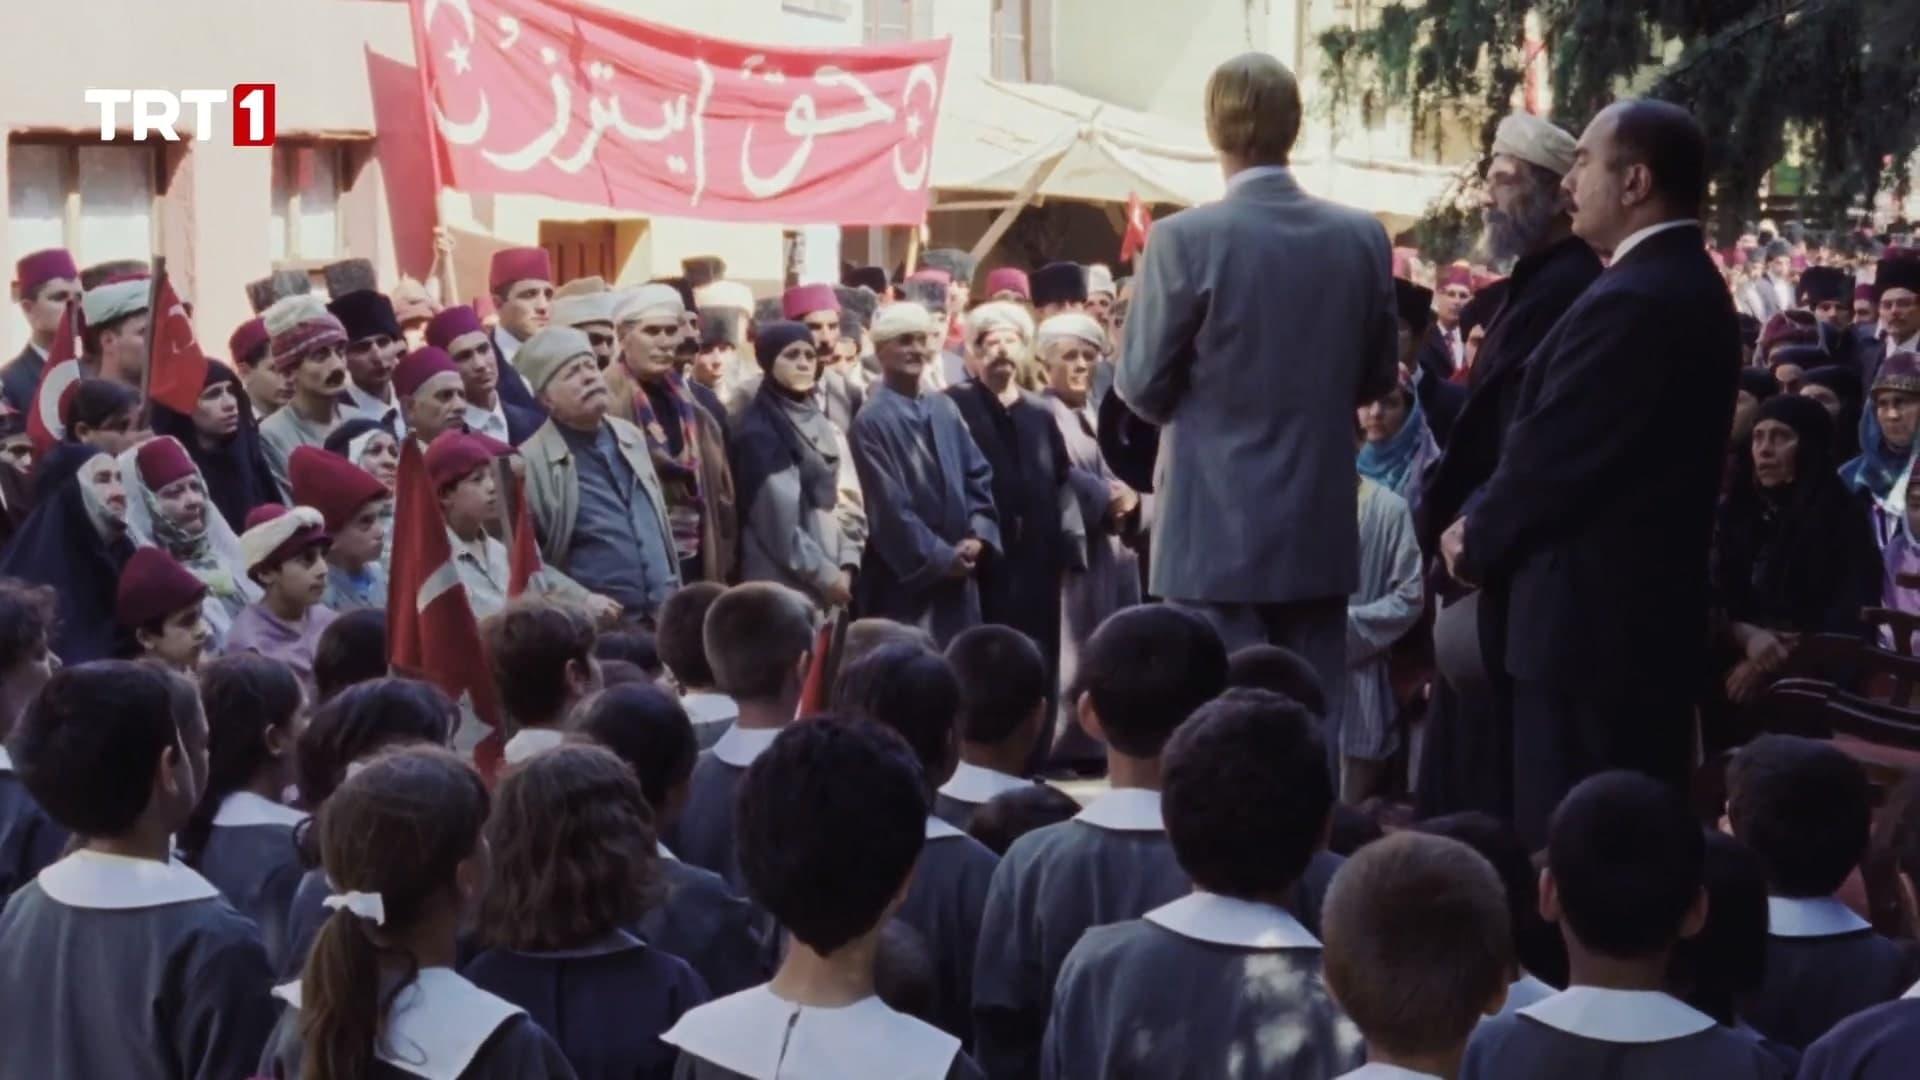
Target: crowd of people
pixel 1377 628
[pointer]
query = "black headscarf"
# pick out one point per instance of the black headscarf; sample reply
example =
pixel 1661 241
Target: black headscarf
pixel 1800 557
pixel 236 471
pixel 59 547
pixel 1845 383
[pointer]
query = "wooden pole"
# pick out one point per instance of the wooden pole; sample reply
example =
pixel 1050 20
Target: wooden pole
pixel 913 251
pixel 154 317
pixel 1020 200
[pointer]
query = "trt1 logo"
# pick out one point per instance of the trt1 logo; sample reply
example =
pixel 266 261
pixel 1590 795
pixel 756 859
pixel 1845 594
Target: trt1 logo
pixel 154 112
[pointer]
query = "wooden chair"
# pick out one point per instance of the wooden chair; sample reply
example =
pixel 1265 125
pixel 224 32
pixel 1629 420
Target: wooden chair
pixel 1883 738
pixel 1900 627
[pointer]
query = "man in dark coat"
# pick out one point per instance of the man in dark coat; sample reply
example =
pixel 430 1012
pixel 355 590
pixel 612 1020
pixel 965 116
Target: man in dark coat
pixel 44 283
pixel 1468 762
pixel 1042 533
pixel 1598 519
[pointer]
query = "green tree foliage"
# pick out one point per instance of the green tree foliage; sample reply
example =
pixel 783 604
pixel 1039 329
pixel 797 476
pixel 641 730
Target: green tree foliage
pixel 1840 79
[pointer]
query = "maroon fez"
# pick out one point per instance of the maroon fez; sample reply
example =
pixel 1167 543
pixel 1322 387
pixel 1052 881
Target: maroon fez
pixel 152 587
pixel 420 365
pixel 248 342
pixel 331 484
pixel 161 461
pixel 518 264
pixel 803 300
pixel 37 269
pixel 451 323
pixel 456 454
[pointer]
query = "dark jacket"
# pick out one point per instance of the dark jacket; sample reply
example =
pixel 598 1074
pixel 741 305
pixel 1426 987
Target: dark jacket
pixel 522 423
pixel 1542 288
pixel 1021 588
pixel 19 379
pixel 1599 517
pixel 511 386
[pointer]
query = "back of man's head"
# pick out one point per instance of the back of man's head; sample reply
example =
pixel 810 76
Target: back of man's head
pixel 1003 679
pixel 1253 110
pixel 1804 807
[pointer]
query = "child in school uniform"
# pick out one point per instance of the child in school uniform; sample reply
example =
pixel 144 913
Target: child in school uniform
pixel 344 734
pixel 157 611
pixel 1010 815
pixel 759 638
pixel 913 692
pixel 1540 960
pixel 1727 960
pixel 1418 951
pixel 1198 983
pixel 1003 710
pixel 573 868
pixel 241 837
pixel 1805 808
pixel 1624 881
pixel 1142 673
pixel 697 917
pixel 1883 1042
pixel 401 843
pixel 285 552
pixel 29 839
pixel 117 960
pixel 681 640
pixel 832 818
pixel 541 654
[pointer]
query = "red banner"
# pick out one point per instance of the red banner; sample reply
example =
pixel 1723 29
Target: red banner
pixel 559 98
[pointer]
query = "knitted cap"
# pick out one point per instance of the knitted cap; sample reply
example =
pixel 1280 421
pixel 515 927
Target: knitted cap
pixel 298 325
pixel 546 352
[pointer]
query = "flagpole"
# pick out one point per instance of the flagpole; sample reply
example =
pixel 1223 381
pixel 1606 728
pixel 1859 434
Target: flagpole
pixel 154 324
pixel 449 294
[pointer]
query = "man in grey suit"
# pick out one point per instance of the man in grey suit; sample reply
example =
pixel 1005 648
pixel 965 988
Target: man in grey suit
pixel 1259 323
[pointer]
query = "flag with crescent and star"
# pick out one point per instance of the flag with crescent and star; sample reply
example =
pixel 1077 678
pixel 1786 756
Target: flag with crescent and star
pixel 1139 223
pixel 570 100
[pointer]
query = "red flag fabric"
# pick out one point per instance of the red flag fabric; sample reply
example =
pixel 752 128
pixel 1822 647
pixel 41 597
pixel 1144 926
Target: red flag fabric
pixel 568 99
pixel 58 380
pixel 431 632
pixel 524 560
pixel 814 691
pixel 1139 223
pixel 176 368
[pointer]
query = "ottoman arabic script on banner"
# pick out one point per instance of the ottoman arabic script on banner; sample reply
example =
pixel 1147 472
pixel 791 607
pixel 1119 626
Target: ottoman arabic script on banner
pixel 550 97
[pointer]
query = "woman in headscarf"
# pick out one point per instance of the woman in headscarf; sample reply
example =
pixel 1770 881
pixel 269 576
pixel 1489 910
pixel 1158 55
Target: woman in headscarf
pixel 1793 549
pixel 1837 388
pixel 75 542
pixel 222 438
pixel 1887 429
pixel 802 523
pixel 1896 520
pixel 368 444
pixel 168 507
pixel 1397 445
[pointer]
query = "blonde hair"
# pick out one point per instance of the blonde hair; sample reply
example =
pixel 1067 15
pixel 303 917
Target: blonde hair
pixel 1253 109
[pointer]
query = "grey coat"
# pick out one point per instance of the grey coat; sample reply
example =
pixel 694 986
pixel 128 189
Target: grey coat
pixel 1258 323
pixel 553 487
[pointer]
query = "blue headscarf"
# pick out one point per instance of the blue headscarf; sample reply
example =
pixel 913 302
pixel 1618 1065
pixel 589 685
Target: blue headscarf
pixel 1879 465
pixel 1397 463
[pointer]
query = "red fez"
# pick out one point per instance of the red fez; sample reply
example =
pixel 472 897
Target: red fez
pixel 420 365
pixel 154 586
pixel 451 323
pixel 454 456
pixel 331 484
pixel 1864 292
pixel 803 300
pixel 1009 279
pixel 161 461
pixel 519 264
pixel 1456 274
pixel 248 341
pixel 41 267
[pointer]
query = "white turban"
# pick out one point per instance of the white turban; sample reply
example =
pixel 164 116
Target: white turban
pixel 729 294
pixel 648 300
pixel 999 315
pixel 1072 326
pixel 1099 280
pixel 1535 141
pixel 104 303
pixel 582 308
pixel 899 320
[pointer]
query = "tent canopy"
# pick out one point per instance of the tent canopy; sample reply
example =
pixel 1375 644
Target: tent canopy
pixel 998 137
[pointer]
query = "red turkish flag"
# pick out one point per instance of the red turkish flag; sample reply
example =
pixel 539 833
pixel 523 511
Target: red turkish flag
pixel 568 99
pixel 1139 223
pixel 176 368
pixel 524 560
pixel 58 379
pixel 431 632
